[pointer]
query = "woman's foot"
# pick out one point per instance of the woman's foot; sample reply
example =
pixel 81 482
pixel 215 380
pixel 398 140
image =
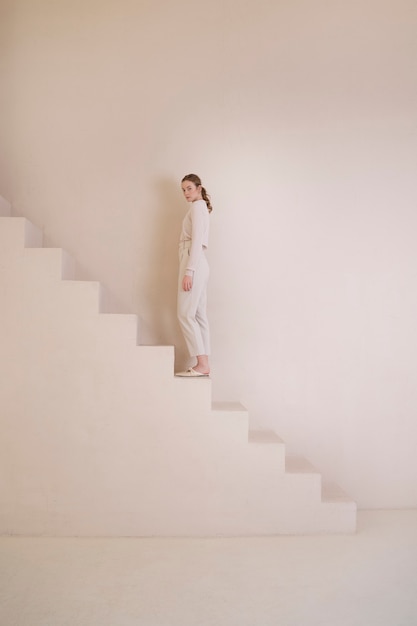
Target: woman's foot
pixel 192 373
pixel 201 368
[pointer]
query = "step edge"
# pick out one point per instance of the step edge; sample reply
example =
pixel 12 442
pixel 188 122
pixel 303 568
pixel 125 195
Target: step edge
pixel 299 465
pixel 266 437
pixel 231 406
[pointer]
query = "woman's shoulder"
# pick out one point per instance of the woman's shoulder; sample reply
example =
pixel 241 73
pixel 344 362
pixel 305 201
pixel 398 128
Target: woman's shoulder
pixel 199 205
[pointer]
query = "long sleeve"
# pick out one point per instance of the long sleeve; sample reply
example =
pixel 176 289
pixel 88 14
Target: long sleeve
pixel 196 229
pixel 199 226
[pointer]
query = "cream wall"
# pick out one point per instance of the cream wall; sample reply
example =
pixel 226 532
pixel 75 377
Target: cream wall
pixel 5 94
pixel 301 119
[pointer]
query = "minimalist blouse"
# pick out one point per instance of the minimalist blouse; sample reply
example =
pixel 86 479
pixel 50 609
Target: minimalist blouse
pixel 195 228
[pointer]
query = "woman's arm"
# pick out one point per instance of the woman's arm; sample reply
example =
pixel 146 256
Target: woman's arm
pixel 199 216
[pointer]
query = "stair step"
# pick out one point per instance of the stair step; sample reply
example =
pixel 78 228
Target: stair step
pixel 232 419
pixel 268 452
pixel 33 235
pixel 79 298
pixel 5 208
pixel 228 406
pixel 197 390
pixel 299 465
pixel 264 437
pixel 118 328
pixel 68 266
pixel 333 493
pixel 16 233
pixel 44 263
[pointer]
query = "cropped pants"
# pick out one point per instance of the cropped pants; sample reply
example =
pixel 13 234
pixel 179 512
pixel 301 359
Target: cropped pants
pixel 191 305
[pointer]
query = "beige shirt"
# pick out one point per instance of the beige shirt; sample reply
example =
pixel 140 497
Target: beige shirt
pixel 195 228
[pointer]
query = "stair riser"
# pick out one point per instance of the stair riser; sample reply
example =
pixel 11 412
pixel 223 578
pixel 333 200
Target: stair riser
pixel 15 234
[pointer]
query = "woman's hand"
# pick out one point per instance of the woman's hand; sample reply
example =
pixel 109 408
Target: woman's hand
pixel 187 283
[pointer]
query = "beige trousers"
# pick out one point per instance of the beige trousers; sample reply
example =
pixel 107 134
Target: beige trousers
pixel 192 305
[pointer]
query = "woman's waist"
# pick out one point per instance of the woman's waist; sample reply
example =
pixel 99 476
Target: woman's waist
pixel 185 244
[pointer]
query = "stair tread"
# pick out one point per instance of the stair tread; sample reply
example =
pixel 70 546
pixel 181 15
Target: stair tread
pixel 331 492
pixel 299 465
pixel 264 436
pixel 228 406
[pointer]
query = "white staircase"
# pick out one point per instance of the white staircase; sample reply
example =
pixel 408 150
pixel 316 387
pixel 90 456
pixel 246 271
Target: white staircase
pixel 99 438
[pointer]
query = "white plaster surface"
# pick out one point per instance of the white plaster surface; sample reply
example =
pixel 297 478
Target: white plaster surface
pixel 100 439
pixel 368 579
pixel 300 117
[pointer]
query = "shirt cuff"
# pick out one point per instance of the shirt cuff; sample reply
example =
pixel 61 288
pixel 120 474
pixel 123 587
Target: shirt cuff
pixel 189 273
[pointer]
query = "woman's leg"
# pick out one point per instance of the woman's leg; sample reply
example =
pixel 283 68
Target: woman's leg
pixel 202 321
pixel 192 316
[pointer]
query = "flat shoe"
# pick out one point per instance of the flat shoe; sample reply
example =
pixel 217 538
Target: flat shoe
pixel 191 373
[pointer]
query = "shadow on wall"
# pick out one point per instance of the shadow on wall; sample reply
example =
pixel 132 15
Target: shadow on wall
pixel 159 285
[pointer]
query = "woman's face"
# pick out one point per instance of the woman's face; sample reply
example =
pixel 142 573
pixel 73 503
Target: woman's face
pixel 191 191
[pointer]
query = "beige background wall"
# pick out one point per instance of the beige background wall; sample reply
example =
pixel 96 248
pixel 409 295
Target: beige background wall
pixel 301 119
pixel 5 96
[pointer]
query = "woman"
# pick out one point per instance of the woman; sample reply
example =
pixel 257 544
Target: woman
pixel 193 276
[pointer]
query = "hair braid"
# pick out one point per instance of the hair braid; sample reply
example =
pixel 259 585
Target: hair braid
pixel 206 199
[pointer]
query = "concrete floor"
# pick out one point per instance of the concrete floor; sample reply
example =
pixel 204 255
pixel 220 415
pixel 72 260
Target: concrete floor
pixel 369 579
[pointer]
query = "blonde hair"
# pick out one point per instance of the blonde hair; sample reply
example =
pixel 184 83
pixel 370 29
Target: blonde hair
pixel 193 178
